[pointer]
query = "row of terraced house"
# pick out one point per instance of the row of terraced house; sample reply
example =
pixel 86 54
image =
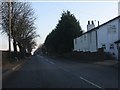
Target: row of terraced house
pixel 106 36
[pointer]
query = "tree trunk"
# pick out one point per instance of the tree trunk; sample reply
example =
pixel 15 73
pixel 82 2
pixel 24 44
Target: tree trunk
pixel 14 45
pixel 15 48
pixel 20 48
pixel 21 51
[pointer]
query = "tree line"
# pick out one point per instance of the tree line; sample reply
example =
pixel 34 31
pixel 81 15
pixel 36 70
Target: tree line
pixel 60 40
pixel 23 31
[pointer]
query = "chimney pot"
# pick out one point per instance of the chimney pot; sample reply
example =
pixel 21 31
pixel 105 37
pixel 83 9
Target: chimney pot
pixel 88 22
pixel 98 23
pixel 92 22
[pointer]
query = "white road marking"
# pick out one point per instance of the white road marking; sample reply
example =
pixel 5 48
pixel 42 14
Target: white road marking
pixel 46 59
pixel 81 78
pixel 66 70
pixel 14 68
pixel 63 69
pixel 51 62
pixel 37 55
pixel 69 71
pixel 40 56
pixel 90 82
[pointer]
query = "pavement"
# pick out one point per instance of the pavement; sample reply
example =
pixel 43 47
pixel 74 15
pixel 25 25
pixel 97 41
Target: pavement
pixel 109 63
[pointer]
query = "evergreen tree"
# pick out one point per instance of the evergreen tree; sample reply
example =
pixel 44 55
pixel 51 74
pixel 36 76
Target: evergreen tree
pixel 60 40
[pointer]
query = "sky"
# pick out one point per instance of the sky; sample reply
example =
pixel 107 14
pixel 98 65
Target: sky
pixel 49 12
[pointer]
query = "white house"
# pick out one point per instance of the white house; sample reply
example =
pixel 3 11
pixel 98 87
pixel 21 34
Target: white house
pixel 105 36
pixel 88 40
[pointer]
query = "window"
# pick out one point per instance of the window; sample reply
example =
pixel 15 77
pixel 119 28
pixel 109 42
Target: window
pixel 104 46
pixel 111 46
pixel 111 28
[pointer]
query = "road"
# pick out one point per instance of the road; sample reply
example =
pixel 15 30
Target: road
pixel 44 72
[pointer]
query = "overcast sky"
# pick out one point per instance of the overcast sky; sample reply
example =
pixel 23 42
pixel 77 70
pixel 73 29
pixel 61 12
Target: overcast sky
pixel 48 14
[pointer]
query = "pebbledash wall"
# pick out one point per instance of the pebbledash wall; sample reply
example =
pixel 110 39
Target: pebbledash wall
pixel 103 36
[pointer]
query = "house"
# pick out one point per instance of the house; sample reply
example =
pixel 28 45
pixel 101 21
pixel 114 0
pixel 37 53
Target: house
pixel 104 36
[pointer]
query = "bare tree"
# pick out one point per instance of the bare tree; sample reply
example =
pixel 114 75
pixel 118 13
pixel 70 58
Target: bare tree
pixel 22 25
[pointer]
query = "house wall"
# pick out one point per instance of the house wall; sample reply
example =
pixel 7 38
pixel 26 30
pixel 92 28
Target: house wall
pixel 86 42
pixel 107 35
pixel 119 28
pixel 118 35
pixel 80 43
pixel 76 44
pixel 92 41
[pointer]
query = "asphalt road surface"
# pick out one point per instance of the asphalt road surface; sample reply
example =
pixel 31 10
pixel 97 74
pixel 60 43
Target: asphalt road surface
pixel 43 72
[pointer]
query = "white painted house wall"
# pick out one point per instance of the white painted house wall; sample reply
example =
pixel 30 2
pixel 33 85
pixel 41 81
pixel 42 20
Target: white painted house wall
pixel 107 36
pixel 96 38
pixel 119 28
pixel 92 41
pixel 81 44
pixel 87 42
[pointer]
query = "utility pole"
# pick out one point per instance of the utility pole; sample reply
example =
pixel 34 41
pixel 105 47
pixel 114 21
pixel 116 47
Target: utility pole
pixel 9 11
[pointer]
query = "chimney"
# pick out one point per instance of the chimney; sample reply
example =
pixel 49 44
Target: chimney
pixel 88 22
pixel 90 26
pixel 98 23
pixel 92 23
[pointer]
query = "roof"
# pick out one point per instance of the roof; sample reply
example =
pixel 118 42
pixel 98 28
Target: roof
pixel 101 25
pixel 118 41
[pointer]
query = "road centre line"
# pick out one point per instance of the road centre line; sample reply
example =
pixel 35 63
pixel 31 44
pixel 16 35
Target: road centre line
pixel 74 74
pixel 57 65
pixel 51 62
pixel 63 69
pixel 40 56
pixel 90 82
pixel 81 78
pixel 46 59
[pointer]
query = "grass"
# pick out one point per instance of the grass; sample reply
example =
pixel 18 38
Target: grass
pixel 8 63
